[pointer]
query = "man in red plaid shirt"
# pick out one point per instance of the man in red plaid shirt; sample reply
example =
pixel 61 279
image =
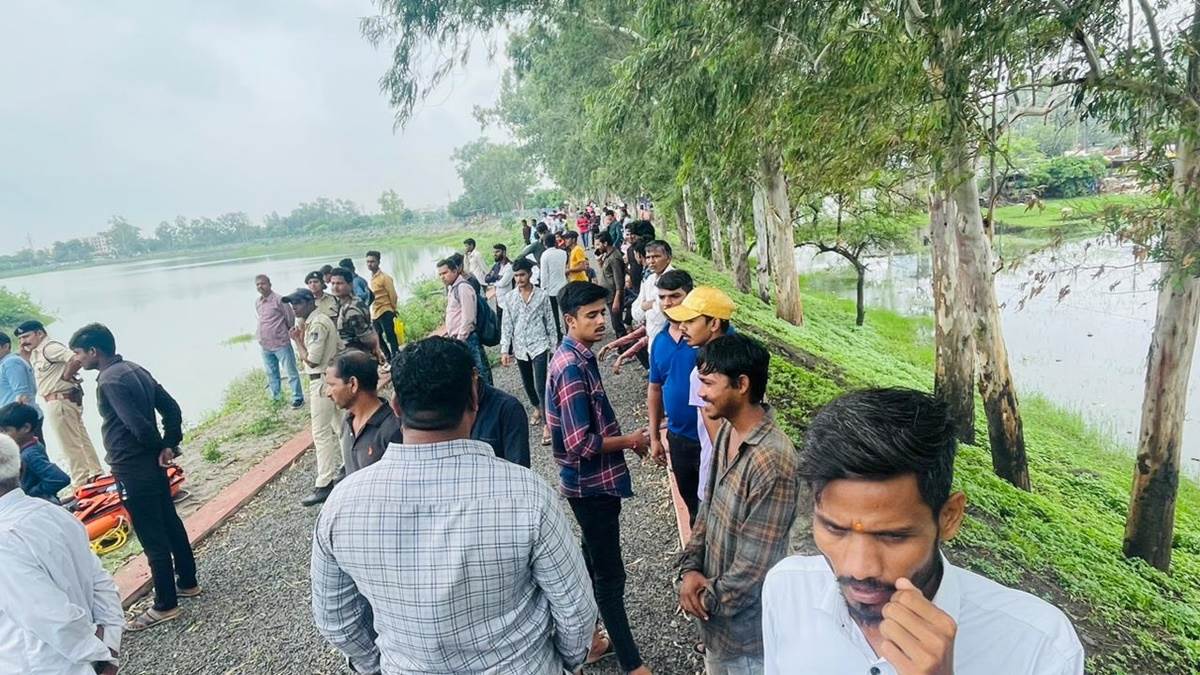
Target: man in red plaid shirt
pixel 590 452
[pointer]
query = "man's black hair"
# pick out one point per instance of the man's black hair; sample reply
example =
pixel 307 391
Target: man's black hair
pixel 578 294
pixel 458 259
pixel 603 238
pixel 643 229
pixel 548 241
pixel 374 254
pixel 449 263
pixel 432 378
pixel 500 247
pixel 542 227
pixel 570 234
pixel 734 356
pixel 5 340
pixel 661 245
pixel 673 280
pixel 880 434
pixel 326 269
pixel 31 326
pixel 94 336
pixel 469 242
pixel 358 364
pixel 346 264
pixel 344 273
pixel 640 248
pixel 523 265
pixel 17 415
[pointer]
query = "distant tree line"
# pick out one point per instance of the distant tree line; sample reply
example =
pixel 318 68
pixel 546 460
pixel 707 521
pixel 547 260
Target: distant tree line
pixel 123 239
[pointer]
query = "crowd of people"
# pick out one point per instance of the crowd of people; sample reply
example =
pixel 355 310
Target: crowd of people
pixel 437 549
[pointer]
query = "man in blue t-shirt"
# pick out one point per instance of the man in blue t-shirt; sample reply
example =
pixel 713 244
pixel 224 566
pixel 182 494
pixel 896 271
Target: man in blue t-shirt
pixel 40 477
pixel 671 362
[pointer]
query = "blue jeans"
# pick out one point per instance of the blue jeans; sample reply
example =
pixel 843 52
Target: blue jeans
pixel 271 360
pixel 479 356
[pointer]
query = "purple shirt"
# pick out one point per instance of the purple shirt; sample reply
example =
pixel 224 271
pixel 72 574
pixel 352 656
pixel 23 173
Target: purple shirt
pixel 275 321
pixel 580 418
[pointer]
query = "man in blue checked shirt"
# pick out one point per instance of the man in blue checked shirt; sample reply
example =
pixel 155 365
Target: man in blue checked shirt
pixel 442 557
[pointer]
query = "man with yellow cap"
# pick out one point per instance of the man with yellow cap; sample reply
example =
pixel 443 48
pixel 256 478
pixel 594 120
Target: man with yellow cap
pixel 703 316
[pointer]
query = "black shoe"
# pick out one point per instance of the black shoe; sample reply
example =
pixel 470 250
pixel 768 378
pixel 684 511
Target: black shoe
pixel 298 404
pixel 341 474
pixel 317 496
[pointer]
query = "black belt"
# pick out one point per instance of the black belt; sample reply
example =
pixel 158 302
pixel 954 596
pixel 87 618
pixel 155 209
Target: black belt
pixel 314 376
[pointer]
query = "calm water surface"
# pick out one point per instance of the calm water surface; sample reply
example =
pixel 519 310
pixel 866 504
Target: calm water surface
pixel 1086 351
pixel 174 315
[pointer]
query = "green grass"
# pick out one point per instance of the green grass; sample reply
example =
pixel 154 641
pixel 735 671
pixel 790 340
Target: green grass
pixel 246 397
pixel 1063 540
pixel 241 339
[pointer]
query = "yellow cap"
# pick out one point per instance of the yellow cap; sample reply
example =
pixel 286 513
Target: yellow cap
pixel 702 301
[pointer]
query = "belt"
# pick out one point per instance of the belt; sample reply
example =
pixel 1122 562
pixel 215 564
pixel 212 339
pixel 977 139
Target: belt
pixel 314 376
pixel 59 396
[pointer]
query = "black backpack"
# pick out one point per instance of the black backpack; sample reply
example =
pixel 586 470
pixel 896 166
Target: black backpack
pixel 487 325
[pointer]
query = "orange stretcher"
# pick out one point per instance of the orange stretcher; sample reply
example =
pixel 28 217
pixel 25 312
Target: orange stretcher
pixel 98 506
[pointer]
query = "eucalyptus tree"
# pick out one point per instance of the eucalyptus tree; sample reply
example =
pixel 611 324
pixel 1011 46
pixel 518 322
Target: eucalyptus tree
pixel 1139 69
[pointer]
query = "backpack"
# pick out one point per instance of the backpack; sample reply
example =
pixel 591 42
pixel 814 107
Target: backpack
pixel 487 326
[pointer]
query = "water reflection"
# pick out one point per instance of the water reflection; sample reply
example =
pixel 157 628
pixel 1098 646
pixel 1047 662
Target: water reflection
pixel 1086 351
pixel 173 315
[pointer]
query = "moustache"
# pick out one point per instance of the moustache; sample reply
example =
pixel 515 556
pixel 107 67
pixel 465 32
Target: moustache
pixel 865 585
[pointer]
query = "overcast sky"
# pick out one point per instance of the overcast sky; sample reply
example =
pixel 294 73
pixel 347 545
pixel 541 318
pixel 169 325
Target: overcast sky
pixel 149 109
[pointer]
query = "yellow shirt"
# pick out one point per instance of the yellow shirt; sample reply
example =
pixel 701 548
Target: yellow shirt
pixel 578 256
pixel 385 295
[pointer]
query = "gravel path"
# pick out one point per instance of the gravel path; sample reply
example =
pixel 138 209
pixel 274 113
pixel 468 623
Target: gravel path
pixel 254 614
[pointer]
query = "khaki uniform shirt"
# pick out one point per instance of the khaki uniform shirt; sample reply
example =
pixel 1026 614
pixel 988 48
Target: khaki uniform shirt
pixel 327 305
pixel 322 342
pixel 49 361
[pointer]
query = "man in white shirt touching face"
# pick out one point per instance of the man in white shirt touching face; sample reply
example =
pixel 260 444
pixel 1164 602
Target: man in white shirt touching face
pixel 60 612
pixel 881 598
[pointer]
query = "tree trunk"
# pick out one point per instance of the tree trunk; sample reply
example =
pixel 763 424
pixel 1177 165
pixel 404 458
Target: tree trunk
pixel 860 315
pixel 1150 526
pixel 686 201
pixel 737 249
pixel 783 239
pixel 685 225
pixel 995 379
pixel 762 245
pixel 716 242
pixel 954 364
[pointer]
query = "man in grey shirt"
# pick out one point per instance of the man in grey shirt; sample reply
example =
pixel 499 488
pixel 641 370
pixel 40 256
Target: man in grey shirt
pixel 442 557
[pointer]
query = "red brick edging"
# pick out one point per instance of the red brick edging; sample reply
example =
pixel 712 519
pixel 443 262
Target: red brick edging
pixel 133 578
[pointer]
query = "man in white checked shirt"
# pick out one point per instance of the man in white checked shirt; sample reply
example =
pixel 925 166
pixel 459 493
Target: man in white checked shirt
pixel 443 558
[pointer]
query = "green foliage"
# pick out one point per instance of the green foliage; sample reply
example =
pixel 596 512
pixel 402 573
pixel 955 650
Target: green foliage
pixel 211 452
pixel 239 339
pixel 1063 177
pixel 496 178
pixel 17 307
pixel 425 310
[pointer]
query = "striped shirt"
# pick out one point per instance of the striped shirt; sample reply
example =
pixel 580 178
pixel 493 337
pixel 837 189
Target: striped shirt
pixel 444 558
pixel 580 418
pixel 741 531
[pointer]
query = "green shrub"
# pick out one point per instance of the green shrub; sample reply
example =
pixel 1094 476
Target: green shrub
pixel 1064 177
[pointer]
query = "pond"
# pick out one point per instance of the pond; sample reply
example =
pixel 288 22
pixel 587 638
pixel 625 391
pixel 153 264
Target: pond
pixel 175 316
pixel 1085 351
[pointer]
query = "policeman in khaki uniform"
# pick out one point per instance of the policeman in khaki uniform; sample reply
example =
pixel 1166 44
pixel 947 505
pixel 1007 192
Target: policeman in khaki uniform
pixel 54 367
pixel 326 303
pixel 317 344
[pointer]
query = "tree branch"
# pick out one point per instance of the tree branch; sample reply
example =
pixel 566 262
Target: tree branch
pixel 1155 40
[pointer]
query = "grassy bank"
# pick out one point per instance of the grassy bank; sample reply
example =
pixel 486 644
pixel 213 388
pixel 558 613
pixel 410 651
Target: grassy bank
pixel 1063 541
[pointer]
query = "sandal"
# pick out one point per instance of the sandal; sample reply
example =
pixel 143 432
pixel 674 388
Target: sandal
pixel 545 440
pixel 188 592
pixel 149 619
pixel 608 651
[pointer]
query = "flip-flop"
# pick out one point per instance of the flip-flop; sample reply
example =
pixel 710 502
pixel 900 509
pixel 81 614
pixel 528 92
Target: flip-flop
pixel 149 619
pixel 188 592
pixel 608 651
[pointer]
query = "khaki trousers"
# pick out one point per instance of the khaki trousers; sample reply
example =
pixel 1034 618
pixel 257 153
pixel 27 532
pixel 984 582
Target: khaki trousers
pixel 326 424
pixel 66 419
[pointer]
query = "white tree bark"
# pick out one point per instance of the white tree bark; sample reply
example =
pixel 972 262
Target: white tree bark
pixel 716 231
pixel 737 248
pixel 783 239
pixel 762 245
pixel 954 367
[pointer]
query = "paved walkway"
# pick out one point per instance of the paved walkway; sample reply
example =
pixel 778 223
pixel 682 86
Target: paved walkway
pixel 254 614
